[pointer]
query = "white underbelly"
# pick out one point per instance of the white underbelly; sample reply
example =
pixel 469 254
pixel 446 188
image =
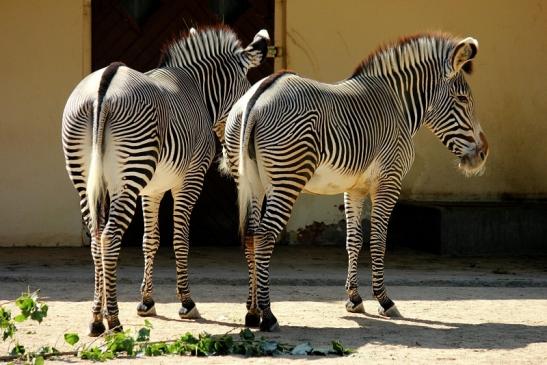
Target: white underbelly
pixel 328 181
pixel 164 178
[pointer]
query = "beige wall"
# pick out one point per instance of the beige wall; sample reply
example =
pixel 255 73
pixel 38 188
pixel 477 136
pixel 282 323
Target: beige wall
pixel 327 39
pixel 45 51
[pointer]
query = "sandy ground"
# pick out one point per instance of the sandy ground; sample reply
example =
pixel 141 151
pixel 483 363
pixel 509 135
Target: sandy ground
pixel 457 310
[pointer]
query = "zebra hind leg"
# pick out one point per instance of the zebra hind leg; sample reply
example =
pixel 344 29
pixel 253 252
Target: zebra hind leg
pixel 96 327
pixel 252 318
pixel 122 209
pixel 184 200
pixel 150 244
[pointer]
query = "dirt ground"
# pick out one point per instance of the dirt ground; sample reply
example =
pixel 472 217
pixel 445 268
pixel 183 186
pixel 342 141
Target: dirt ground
pixel 457 310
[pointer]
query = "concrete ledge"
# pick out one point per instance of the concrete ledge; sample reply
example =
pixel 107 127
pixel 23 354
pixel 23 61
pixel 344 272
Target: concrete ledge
pixel 471 228
pixel 448 228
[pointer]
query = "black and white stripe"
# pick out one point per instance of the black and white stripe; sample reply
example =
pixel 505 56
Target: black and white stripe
pixel 289 135
pixel 127 134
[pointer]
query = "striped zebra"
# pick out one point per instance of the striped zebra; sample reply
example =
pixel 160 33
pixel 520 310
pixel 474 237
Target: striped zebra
pixel 127 133
pixel 289 134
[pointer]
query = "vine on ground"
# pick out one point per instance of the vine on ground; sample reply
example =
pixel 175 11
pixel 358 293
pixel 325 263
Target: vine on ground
pixel 125 344
pixel 30 307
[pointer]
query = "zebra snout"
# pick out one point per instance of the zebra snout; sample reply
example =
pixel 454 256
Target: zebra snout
pixel 472 162
pixel 482 147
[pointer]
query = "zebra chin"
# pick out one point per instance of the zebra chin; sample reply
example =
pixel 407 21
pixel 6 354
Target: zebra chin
pixel 472 165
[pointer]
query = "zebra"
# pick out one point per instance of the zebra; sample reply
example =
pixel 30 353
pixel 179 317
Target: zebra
pixel 289 134
pixel 127 134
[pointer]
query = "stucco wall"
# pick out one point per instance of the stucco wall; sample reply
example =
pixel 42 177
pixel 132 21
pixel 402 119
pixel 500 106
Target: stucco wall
pixel 45 51
pixel 327 39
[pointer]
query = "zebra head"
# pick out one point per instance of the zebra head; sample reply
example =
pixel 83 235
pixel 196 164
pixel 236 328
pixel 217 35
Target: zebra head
pixel 244 59
pixel 234 83
pixel 215 58
pixel 451 114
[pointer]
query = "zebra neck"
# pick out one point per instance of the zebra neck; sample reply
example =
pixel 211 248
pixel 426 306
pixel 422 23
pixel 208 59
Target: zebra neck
pixel 410 90
pixel 214 95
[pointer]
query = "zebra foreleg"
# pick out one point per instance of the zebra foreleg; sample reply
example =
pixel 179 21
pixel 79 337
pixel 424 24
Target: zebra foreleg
pixel 383 201
pixel 150 244
pixel 353 203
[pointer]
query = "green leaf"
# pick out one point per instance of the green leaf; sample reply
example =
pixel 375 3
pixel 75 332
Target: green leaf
pixel 339 349
pixel 188 338
pixel 156 349
pixel 5 315
pixel 95 354
pixel 250 349
pixel 47 350
pixel 269 347
pixel 72 338
pixel 147 324
pixel 37 316
pixel 39 360
pixel 143 334
pixel 20 318
pixel 25 304
pixel 9 331
pixel 247 334
pixel 18 350
pixel 302 349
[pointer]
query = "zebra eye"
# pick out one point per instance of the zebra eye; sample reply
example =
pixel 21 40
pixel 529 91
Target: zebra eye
pixel 462 99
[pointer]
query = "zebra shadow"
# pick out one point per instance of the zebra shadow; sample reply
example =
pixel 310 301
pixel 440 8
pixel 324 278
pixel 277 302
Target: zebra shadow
pixel 419 333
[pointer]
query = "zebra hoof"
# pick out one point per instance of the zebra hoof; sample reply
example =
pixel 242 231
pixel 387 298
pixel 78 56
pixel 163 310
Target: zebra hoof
pixel 355 307
pixel 146 308
pixel 252 319
pixel 187 312
pixel 96 328
pixel 269 322
pixel 392 312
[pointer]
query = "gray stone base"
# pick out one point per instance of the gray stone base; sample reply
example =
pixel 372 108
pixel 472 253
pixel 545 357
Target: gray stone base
pixel 461 229
pixel 471 228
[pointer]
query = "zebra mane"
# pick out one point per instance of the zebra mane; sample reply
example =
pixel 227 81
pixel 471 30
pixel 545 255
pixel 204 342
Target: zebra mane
pixel 407 51
pixel 205 43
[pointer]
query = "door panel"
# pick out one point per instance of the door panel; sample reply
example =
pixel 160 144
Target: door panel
pixel 134 32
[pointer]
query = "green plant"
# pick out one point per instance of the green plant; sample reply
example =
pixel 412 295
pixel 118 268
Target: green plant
pixel 245 344
pixel 31 307
pixel 116 344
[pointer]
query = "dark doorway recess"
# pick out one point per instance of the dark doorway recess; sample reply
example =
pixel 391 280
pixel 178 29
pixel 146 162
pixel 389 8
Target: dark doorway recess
pixel 134 32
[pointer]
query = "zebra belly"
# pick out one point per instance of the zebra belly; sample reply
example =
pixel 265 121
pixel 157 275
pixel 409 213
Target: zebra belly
pixel 329 181
pixel 165 178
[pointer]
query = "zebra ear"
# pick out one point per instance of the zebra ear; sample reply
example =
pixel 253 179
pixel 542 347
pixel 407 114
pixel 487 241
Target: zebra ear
pixel 464 52
pixel 256 51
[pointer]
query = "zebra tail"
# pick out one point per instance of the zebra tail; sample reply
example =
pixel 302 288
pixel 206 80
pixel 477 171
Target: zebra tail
pixel 249 180
pixel 96 189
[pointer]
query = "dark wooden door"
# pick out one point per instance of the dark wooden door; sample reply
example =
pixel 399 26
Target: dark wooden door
pixel 134 32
